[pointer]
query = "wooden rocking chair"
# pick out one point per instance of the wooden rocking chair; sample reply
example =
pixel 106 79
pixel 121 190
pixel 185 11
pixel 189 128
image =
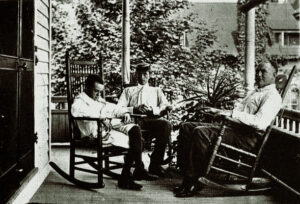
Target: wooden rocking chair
pixel 77 72
pixel 240 165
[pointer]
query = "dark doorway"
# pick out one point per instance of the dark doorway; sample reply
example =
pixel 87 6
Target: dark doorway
pixel 16 93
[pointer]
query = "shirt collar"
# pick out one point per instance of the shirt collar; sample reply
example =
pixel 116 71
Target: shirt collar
pixel 89 100
pixel 143 86
pixel 268 87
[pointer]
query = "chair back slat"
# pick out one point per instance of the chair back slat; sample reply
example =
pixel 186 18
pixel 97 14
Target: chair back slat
pixel 288 82
pixel 285 89
pixel 78 73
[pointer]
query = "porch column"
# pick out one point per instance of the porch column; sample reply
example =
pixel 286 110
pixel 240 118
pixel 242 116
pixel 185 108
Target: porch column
pixel 249 73
pixel 125 43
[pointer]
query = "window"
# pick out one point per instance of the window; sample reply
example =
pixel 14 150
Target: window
pixel 295 98
pixel 184 40
pixel 287 38
pixel 277 38
pixel 291 39
pixel 156 2
pixel 279 1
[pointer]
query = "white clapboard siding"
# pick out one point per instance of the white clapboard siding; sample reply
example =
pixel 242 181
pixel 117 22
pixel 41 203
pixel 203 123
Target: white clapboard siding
pixel 42 82
pixel 42 79
pixel 43 20
pixel 43 7
pixel 42 43
pixel 42 68
pixel 42 31
pixel 43 55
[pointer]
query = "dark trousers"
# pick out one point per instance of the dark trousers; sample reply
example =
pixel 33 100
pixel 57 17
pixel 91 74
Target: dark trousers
pixel 196 139
pixel 134 154
pixel 160 129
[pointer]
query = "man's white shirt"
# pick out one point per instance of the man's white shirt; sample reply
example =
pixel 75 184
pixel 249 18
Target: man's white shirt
pixel 84 106
pixel 144 94
pixel 259 108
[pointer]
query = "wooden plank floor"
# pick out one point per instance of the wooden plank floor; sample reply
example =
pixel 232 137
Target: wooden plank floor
pixel 57 190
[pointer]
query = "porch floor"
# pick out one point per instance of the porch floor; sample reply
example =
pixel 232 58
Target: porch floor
pixel 55 189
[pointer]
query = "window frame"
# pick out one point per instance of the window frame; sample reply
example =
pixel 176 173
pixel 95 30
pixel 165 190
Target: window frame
pixel 282 38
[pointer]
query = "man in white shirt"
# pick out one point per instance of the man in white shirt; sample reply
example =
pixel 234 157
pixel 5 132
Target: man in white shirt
pixel 257 110
pixel 150 100
pixel 91 104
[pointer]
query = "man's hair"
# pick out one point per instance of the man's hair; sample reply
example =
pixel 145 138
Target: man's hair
pixel 143 67
pixel 91 80
pixel 272 62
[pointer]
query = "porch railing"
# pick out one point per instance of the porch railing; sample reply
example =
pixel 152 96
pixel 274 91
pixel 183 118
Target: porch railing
pixel 290 121
pixel 60 121
pixel 60 124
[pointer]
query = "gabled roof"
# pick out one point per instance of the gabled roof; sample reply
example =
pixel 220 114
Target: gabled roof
pixel 281 17
pixel 223 16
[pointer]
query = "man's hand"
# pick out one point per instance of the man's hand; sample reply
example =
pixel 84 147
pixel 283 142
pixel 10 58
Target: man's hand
pixel 107 125
pixel 127 118
pixel 165 110
pixel 144 109
pixel 219 112
pixel 169 108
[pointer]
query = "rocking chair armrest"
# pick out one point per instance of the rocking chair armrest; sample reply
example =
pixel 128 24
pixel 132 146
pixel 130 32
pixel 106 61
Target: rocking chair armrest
pixel 231 120
pixel 88 118
pixel 139 116
pixel 236 123
pixel 112 98
pixel 226 119
pixel 135 115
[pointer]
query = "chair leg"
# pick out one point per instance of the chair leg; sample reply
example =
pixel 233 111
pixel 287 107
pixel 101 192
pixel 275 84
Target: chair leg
pixel 215 149
pixel 72 160
pixel 106 163
pixel 170 154
pixel 100 164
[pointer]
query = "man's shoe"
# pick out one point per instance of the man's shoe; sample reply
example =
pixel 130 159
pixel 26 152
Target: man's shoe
pixel 128 183
pixel 187 191
pixel 157 170
pixel 188 188
pixel 178 189
pixel 143 175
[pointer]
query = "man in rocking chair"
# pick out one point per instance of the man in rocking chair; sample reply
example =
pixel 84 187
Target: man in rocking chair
pixel 257 110
pixel 91 104
pixel 151 101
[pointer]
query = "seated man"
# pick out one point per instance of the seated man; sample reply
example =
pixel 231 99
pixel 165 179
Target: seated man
pixel 91 104
pixel 257 110
pixel 150 100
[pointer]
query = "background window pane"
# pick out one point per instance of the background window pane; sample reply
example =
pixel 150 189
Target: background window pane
pixel 27 29
pixel 277 37
pixel 294 39
pixel 291 39
pixel 8 27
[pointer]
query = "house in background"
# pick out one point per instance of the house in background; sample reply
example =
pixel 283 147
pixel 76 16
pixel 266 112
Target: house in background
pixel 24 97
pixel 286 44
pixel 223 16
